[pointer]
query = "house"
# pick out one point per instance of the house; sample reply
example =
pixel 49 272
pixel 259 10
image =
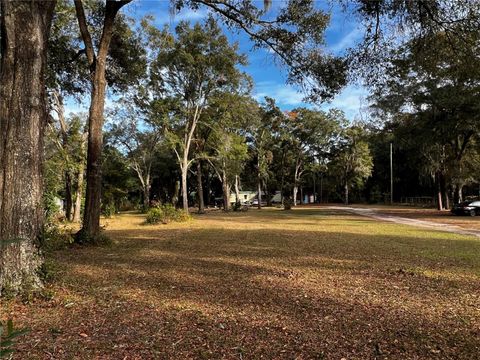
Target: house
pixel 246 197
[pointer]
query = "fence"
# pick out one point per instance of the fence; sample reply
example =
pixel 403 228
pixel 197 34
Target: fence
pixel 419 201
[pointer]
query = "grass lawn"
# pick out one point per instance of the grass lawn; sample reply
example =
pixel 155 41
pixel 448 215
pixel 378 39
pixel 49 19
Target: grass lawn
pixel 304 284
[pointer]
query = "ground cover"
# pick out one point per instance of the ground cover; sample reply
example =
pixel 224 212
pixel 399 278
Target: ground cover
pixel 272 284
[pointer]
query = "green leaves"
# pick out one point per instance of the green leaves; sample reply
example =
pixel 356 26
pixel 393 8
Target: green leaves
pixel 7 337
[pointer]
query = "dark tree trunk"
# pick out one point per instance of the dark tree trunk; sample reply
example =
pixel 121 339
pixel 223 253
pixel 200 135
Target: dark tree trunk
pixel 201 203
pixel 91 217
pixel 226 196
pixel 68 196
pixel 176 193
pixel 24 27
pixel 146 197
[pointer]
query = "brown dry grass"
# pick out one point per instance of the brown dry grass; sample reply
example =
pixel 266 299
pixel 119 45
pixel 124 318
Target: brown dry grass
pixel 305 284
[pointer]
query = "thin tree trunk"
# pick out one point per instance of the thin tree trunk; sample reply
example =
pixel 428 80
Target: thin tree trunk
pixel 346 193
pixel 444 192
pixel 79 195
pixel 237 189
pixel 184 186
pixel 68 196
pixel 201 203
pixel 24 29
pixel 295 192
pixel 226 195
pixel 459 193
pixel 176 192
pixel 439 194
pixel 259 189
pixel 80 179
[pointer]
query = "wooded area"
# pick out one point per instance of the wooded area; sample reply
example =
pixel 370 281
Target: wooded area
pixel 174 128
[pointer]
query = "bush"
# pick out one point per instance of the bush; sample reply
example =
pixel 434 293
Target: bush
pixel 165 214
pixel 109 209
pixel 287 204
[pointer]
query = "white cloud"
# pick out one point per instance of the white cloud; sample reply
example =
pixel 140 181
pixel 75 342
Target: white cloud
pixel 351 100
pixel 285 95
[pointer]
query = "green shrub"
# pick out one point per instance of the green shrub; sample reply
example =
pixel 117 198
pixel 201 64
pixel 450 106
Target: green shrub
pixel 109 209
pixel 287 203
pixel 165 214
pixel 55 238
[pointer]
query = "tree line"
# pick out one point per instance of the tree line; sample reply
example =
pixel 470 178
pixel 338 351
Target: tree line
pixel 183 101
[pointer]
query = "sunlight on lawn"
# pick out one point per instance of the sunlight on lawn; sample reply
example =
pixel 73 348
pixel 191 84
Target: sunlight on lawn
pixel 305 283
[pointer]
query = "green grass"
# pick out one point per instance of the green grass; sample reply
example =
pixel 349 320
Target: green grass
pixel 308 283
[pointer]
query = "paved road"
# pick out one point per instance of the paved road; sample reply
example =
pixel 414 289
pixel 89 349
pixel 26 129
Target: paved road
pixel 377 214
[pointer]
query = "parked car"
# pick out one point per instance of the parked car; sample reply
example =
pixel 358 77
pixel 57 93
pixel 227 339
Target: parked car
pixel 471 207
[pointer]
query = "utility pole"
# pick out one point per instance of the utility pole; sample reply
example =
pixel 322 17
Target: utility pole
pixel 391 173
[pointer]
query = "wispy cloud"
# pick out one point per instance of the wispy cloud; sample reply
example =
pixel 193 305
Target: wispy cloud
pixel 285 95
pixel 345 42
pixel 184 15
pixel 351 100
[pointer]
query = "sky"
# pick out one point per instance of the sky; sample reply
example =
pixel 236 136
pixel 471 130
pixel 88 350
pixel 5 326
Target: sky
pixel 269 78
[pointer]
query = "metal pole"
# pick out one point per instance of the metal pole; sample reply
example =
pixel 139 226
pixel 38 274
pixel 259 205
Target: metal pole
pixel 391 173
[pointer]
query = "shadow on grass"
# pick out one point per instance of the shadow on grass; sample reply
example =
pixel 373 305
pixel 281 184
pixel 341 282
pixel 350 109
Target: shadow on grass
pixel 164 292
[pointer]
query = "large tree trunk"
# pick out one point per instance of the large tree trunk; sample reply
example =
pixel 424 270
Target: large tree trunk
pixel 24 27
pixel 201 203
pixel 91 217
pixel 93 198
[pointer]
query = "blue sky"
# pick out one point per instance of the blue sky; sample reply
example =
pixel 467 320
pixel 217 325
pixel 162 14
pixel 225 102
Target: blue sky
pixel 269 78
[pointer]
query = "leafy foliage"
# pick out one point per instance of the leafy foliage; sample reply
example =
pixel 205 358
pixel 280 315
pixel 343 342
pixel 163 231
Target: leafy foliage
pixel 166 213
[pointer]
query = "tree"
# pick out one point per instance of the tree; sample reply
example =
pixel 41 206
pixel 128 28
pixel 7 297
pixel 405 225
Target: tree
pixel 352 161
pixel 97 61
pixel 384 20
pixel 24 30
pixel 229 155
pixel 312 134
pixel 432 102
pixel 139 145
pixel 189 70
pixel 262 130
pixel 66 160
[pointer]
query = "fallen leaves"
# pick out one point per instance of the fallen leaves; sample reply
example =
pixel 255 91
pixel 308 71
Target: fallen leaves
pixel 274 285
